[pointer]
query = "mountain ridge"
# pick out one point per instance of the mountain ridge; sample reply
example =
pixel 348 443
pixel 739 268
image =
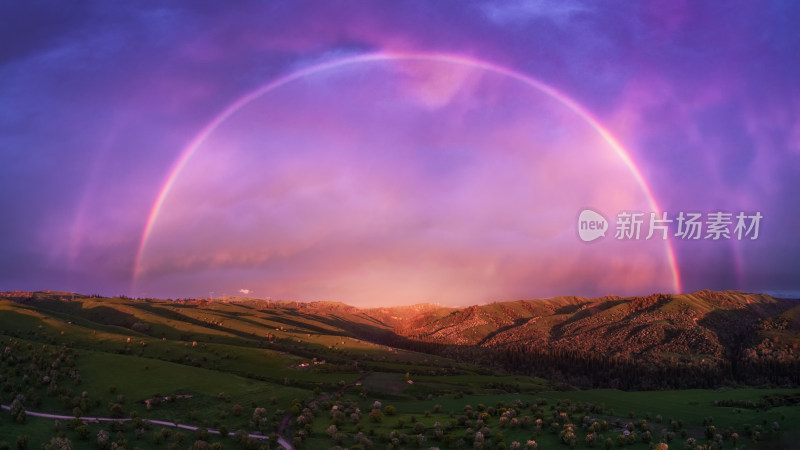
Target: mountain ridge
pixel 718 337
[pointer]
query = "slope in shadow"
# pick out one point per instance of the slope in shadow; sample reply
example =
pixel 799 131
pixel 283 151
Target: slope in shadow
pixel 517 323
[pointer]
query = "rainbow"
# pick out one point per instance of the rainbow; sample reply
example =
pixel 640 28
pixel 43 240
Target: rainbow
pixel 190 149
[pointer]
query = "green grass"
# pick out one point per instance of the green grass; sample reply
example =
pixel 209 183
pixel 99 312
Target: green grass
pixel 236 354
pixel 141 378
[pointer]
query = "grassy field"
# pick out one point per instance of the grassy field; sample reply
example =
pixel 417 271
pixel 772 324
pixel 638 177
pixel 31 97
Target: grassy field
pixel 235 367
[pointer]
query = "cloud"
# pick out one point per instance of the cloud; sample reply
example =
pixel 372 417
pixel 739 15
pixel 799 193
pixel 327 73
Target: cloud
pixel 356 191
pixel 520 11
pixel 245 291
pixel 98 102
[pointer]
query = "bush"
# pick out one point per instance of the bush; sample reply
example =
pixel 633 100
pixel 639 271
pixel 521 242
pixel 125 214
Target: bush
pixel 103 439
pixel 58 443
pixel 201 445
pixel 17 410
pixel 376 415
pixel 116 410
pixel 203 434
pixel 83 432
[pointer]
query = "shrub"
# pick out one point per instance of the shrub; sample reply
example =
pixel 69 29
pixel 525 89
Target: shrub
pixel 103 439
pixel 17 410
pixel 203 434
pixel 83 432
pixel 22 441
pixel 58 443
pixel 236 410
pixel 201 445
pixel 116 410
pixel 376 415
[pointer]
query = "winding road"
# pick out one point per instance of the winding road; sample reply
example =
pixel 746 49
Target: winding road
pixel 284 426
pixel 283 443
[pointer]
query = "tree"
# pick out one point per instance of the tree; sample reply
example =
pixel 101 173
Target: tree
pixel 103 439
pixel 331 430
pixel 58 443
pixel 236 410
pixel 376 415
pixel 83 432
pixel 17 410
pixel 116 410
pixel 201 445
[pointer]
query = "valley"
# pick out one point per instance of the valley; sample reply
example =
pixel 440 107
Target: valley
pixel 718 369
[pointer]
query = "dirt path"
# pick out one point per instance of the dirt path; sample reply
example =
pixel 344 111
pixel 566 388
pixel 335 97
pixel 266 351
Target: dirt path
pixel 284 426
pixel 281 440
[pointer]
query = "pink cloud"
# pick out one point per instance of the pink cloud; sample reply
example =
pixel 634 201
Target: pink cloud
pixel 324 191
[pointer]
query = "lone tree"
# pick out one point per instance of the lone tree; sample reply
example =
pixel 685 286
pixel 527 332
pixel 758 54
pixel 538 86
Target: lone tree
pixel 17 410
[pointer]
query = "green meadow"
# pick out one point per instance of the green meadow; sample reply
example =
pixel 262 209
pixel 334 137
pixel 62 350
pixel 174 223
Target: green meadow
pixel 273 378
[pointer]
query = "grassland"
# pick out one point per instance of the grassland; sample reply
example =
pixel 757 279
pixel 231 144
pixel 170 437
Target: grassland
pixel 272 370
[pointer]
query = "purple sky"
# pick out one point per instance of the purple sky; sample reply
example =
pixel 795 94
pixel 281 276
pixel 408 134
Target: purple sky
pixel 394 152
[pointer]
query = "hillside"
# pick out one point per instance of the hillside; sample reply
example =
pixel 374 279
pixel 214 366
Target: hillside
pixel 711 337
pixel 278 372
pixel 704 323
pixel 701 339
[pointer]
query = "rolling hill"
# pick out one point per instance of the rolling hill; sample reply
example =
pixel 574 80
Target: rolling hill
pixel 701 339
pixel 280 373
